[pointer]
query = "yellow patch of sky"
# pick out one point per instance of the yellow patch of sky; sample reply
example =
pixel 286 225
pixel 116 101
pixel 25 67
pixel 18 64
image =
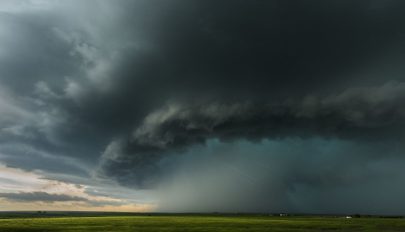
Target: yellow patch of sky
pixel 13 180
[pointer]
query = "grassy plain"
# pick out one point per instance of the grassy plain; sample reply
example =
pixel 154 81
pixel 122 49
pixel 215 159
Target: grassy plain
pixel 198 223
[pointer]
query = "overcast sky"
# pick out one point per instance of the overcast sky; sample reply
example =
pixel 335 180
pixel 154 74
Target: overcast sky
pixel 202 106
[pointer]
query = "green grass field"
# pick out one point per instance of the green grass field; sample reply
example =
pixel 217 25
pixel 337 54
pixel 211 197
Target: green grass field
pixel 200 223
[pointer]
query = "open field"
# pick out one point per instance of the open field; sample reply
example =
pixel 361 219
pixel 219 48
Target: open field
pixel 200 223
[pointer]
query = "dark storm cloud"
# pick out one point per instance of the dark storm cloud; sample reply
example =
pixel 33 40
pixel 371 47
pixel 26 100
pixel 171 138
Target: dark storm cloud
pixel 132 83
pixel 51 198
pixel 246 65
pixel 256 49
pixel 361 114
pixel 39 196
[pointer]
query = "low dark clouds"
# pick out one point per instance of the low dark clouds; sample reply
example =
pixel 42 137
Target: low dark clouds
pixel 359 114
pixel 39 196
pixel 44 197
pixel 120 89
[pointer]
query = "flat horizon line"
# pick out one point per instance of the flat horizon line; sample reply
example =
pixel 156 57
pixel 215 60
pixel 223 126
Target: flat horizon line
pixel 274 214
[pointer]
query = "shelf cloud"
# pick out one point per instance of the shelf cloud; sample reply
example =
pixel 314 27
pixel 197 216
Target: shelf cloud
pixel 158 97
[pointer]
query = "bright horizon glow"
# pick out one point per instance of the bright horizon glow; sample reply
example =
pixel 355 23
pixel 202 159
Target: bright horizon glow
pixel 14 180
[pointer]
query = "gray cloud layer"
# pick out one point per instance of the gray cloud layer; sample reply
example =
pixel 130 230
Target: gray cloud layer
pixel 52 198
pixel 39 196
pixel 120 89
